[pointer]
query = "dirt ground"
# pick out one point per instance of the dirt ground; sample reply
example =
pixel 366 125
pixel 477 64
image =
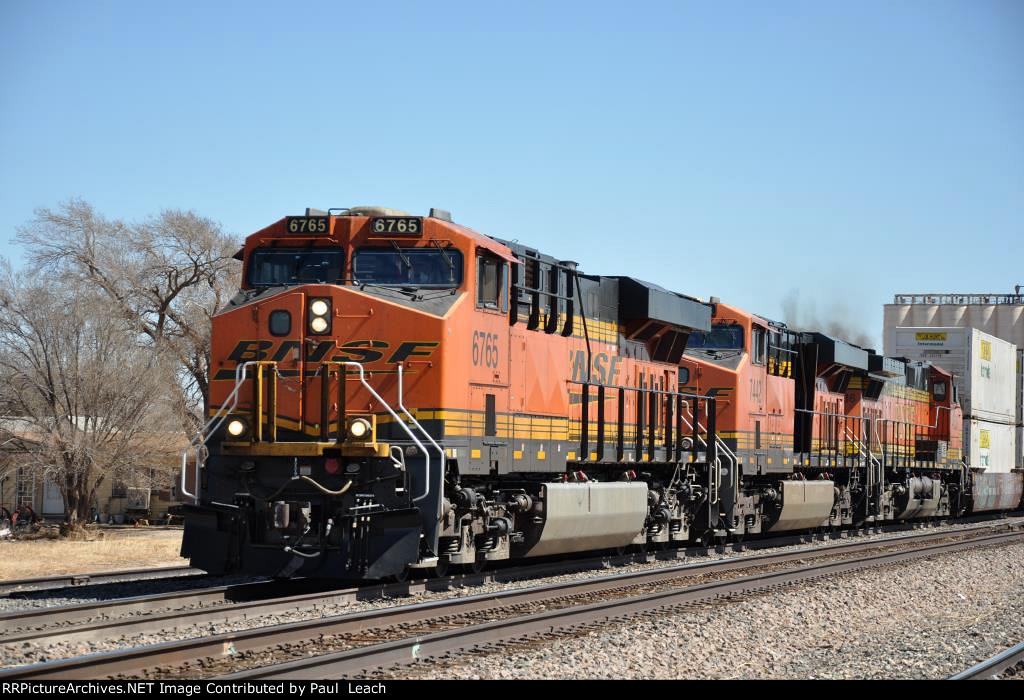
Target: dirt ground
pixel 127 548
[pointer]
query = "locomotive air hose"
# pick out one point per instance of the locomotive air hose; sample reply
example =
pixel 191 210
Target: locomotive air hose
pixel 326 490
pixel 322 488
pixel 312 555
pixel 292 548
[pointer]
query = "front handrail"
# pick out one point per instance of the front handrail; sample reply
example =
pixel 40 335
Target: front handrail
pixel 871 462
pixel 440 450
pixel 718 462
pixel 399 421
pixel 231 403
pixel 211 426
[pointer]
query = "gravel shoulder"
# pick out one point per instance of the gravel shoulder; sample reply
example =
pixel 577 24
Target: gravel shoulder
pixel 924 619
pixel 117 549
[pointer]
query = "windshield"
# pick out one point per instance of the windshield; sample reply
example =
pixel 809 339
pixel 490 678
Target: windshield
pixel 726 336
pixel 284 266
pixel 414 267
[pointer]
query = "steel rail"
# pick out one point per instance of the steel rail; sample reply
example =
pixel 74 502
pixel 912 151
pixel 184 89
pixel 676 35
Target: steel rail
pixel 401 652
pixel 56 623
pixel 992 667
pixel 141 659
pixel 46 583
pixel 97 621
pixel 32 623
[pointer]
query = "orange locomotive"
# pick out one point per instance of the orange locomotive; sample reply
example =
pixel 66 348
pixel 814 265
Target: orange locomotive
pixel 392 391
pixel 822 432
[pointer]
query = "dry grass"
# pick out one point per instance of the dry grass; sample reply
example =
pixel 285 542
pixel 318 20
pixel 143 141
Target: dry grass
pixel 118 549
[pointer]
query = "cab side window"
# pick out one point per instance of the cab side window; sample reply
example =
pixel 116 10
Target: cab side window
pixel 490 283
pixel 758 346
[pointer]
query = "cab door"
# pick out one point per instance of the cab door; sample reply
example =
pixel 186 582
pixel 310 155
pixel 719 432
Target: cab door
pixel 759 424
pixel 778 391
pixel 489 370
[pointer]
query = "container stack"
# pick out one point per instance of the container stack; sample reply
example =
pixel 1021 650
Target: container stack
pixel 987 374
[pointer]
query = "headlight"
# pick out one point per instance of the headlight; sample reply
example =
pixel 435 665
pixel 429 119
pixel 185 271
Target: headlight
pixel 319 316
pixel 359 428
pixel 236 428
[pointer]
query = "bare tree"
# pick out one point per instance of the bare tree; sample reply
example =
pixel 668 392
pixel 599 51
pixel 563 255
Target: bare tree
pixel 91 406
pixel 165 276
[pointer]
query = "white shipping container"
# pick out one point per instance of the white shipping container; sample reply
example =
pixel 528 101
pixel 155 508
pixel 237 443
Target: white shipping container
pixel 1020 447
pixel 1020 408
pixel 990 446
pixel 985 368
pixel 1020 385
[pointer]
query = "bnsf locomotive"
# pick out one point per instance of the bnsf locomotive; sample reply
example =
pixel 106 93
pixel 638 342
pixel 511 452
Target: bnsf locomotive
pixel 393 392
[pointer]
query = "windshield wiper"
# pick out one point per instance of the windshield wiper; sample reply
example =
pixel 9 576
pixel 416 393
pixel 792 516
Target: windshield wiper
pixel 402 255
pixel 447 258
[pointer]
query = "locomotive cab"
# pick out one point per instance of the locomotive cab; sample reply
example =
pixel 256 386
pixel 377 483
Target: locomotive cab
pixel 337 329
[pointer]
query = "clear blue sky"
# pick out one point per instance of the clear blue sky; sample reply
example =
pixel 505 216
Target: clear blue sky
pixel 749 150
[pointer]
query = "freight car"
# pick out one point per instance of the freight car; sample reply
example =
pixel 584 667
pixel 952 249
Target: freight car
pixel 392 392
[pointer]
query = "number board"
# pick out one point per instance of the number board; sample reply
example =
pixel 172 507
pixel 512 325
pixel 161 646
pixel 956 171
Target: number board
pixel 401 225
pixel 307 224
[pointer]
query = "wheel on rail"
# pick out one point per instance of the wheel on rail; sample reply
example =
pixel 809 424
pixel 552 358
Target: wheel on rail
pixel 402 576
pixel 632 550
pixel 440 569
pixel 476 567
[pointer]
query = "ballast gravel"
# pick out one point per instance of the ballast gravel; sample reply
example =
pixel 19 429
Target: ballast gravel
pixel 923 619
pixel 29 652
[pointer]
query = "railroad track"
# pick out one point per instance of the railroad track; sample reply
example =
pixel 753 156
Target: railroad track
pixel 47 583
pixel 995 667
pixel 357 643
pixel 54 583
pixel 102 620
pixel 570 620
